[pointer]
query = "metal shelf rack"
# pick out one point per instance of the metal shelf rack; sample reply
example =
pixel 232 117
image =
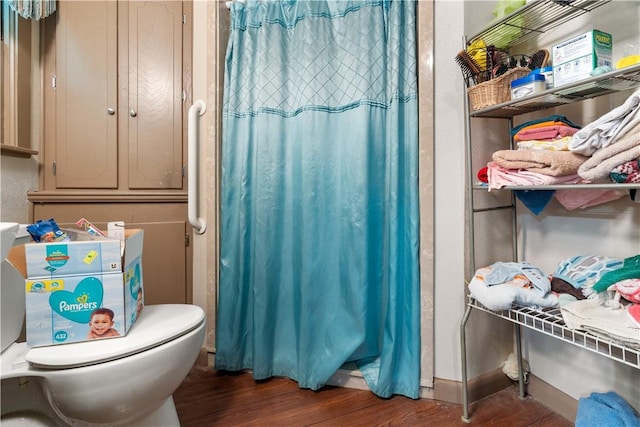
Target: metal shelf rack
pixel 550 322
pixel 532 19
pixel 614 81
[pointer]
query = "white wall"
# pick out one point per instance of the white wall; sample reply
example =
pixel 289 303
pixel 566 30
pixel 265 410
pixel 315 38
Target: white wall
pixel 449 177
pixel 17 176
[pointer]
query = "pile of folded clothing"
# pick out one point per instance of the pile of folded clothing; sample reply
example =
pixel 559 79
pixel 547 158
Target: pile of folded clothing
pixel 595 293
pixel 611 308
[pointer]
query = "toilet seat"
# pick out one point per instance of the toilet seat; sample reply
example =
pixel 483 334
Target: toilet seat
pixel 156 325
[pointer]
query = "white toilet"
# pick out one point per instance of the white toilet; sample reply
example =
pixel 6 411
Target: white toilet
pixel 125 381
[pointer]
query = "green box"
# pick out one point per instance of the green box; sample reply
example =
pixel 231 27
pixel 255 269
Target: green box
pixel 576 58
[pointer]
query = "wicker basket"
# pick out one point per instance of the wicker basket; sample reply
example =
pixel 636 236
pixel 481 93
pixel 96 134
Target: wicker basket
pixel 495 91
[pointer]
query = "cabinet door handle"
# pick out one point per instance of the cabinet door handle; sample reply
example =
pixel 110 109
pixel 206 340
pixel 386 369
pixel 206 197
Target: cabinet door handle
pixel 133 112
pixel 111 111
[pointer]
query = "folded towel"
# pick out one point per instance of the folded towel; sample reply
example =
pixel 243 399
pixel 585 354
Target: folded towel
pixel 628 172
pixel 586 197
pixel 634 313
pixel 546 162
pixel 629 289
pixel 598 134
pixel 554 119
pixel 630 269
pixel 624 148
pixel 558 144
pixel 499 177
pixel 585 270
pixel 545 132
pixel 605 410
pixel 589 315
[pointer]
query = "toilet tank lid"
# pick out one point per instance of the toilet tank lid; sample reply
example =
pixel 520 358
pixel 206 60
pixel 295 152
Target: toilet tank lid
pixel 8 232
pixel 156 325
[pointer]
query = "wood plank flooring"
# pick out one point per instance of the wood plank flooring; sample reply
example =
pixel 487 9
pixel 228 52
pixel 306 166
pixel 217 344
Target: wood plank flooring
pixel 209 398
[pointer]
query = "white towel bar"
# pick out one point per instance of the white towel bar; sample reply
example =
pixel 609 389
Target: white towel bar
pixel 195 111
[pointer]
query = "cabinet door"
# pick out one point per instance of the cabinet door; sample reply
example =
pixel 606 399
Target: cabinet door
pixel 155 95
pixel 86 126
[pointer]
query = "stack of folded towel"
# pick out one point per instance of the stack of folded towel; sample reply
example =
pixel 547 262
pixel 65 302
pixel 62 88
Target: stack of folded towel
pixel 542 153
pixel 553 150
pixel 542 157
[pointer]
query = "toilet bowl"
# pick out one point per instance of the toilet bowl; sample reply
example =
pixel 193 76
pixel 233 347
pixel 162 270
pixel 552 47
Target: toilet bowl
pixel 122 381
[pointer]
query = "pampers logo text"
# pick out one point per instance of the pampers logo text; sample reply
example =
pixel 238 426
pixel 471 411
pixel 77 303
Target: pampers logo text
pixel 78 305
pixel 64 306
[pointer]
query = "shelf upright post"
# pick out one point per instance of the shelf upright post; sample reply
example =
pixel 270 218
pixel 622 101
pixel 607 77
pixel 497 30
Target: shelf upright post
pixel 515 257
pixel 470 252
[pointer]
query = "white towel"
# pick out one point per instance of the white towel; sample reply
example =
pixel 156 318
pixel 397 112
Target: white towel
pixel 601 321
pixel 599 133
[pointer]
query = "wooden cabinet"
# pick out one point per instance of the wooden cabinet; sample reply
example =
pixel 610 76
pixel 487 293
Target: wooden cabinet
pixel 115 96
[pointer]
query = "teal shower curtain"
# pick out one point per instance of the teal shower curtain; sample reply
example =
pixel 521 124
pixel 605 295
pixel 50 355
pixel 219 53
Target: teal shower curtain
pixel 319 204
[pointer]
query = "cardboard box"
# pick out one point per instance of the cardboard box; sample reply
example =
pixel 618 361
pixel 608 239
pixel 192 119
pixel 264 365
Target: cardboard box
pixel 66 281
pixel 576 58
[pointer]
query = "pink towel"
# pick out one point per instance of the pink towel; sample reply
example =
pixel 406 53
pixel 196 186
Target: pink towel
pixel 547 132
pixel 585 197
pixel 499 177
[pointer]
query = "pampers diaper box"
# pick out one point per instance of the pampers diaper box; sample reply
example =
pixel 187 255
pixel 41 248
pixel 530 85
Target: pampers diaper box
pixel 576 58
pixel 88 288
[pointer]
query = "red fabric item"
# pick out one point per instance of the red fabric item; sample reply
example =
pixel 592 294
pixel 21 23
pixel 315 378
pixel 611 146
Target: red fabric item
pixel 634 313
pixel 483 175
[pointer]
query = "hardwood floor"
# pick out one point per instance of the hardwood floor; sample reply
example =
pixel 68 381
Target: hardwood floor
pixel 209 398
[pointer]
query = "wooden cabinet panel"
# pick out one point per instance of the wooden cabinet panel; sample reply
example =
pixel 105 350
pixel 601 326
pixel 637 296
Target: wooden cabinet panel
pixel 165 265
pixel 166 259
pixel 85 80
pixel 155 95
pixel 114 108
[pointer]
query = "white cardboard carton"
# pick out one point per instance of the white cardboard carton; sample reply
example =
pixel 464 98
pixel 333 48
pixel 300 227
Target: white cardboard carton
pixel 66 281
